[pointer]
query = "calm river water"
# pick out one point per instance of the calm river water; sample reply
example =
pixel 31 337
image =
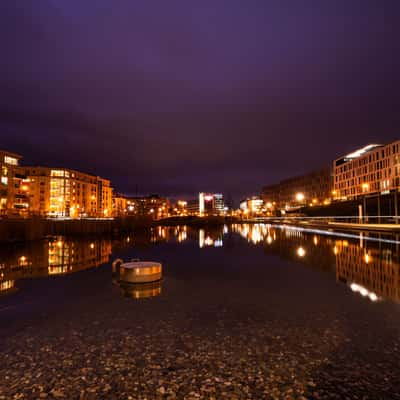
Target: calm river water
pixel 242 311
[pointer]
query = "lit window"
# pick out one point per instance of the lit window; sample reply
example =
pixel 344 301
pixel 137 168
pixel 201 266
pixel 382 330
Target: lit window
pixel 10 160
pixel 4 180
pixel 55 172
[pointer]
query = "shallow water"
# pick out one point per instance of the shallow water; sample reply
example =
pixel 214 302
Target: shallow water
pixel 242 311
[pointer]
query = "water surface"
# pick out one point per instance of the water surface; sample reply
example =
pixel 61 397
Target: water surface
pixel 243 311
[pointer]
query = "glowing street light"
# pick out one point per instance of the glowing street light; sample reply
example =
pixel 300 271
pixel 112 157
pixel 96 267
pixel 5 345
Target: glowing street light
pixel 301 252
pixel 300 196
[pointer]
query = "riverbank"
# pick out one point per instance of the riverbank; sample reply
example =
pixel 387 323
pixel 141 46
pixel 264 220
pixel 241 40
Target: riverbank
pixel 192 220
pixel 24 230
pixel 27 229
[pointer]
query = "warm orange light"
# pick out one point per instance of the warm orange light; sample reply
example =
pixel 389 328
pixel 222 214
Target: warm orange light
pixel 301 252
pixel 335 250
pixel 300 196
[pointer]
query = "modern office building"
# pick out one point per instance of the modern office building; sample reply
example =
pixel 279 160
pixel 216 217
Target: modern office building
pixel 253 205
pixel 61 192
pixel 313 188
pixel 372 169
pixel 211 204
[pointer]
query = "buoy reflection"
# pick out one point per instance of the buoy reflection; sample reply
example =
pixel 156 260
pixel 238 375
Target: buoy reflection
pixel 140 290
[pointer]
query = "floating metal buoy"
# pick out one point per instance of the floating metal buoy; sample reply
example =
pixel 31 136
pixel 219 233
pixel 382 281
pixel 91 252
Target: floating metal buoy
pixel 137 271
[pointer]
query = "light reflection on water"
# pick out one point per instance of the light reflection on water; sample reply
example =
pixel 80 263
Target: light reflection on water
pixel 368 264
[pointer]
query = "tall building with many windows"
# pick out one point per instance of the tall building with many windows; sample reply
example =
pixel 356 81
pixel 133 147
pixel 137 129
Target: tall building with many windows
pixel 373 169
pixel 61 192
pixel 211 204
pixel 14 185
pixel 313 188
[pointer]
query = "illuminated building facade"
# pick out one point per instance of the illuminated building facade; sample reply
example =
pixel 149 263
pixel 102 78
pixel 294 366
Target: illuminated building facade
pixel 119 205
pixel 211 204
pixel 14 185
pixel 253 205
pixel 373 169
pixel 68 193
pixel 314 188
pixel 153 206
pixel 180 208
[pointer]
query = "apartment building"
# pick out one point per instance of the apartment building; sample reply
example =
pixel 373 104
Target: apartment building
pixel 61 192
pixel 313 188
pixel 14 185
pixel 372 169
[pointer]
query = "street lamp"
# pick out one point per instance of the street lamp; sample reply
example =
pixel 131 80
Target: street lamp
pixel 299 196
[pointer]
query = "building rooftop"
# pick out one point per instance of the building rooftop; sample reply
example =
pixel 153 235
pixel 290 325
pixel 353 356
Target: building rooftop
pixel 362 151
pixel 10 154
pixel 356 154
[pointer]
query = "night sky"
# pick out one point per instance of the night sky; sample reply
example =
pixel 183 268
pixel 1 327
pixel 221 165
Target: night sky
pixel 175 97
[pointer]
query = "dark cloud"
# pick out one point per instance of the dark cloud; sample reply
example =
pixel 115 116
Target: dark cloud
pixel 176 97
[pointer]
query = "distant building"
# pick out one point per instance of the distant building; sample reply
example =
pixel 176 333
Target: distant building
pixel 153 206
pixel 192 207
pixel 314 188
pixel 253 205
pixel 211 204
pixel 180 208
pixel 119 205
pixel 373 169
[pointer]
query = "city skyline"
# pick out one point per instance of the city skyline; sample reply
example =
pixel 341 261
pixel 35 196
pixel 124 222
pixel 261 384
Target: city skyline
pixel 180 98
pixel 318 187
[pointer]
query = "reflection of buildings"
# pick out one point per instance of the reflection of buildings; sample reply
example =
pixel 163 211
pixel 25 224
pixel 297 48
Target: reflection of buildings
pixel 53 257
pixel 71 256
pixel 309 249
pixel 209 238
pixel 370 268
